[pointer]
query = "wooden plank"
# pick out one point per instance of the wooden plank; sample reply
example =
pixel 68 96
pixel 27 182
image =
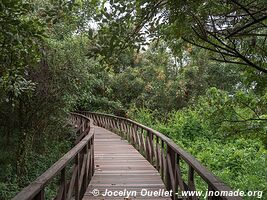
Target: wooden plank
pixel 118 165
pixel 110 147
pixel 202 171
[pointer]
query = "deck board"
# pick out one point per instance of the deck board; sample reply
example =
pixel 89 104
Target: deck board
pixel 119 167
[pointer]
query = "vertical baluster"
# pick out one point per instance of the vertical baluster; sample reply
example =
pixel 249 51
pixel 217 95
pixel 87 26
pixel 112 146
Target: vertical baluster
pixel 101 121
pixel 63 182
pixel 82 125
pixel 88 126
pixel 92 155
pixel 77 162
pixel 112 124
pixel 136 142
pixel 148 146
pixel 171 171
pixel 101 124
pixel 131 133
pixel 90 160
pixel 213 197
pixel 96 120
pixel 156 153
pixel 191 181
pixel 179 176
pixel 104 121
pixel 119 125
pixel 142 141
pixel 151 141
pixel 139 140
pixel 162 160
pixel 107 123
pixel 82 182
pixel 124 129
pixel 87 163
pixel 116 124
pixel 127 131
pixel 40 195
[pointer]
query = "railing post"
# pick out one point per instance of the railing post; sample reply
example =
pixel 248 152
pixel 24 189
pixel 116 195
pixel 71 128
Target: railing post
pixel 130 134
pixel 40 195
pixel 212 197
pixel 92 154
pixel 151 141
pixel 148 148
pixel 162 160
pixel 77 163
pixel 191 181
pixel 63 182
pixel 87 164
pixel 171 175
pixel 157 154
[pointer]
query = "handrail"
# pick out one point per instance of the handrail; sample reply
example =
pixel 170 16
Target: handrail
pixel 82 170
pixel 158 149
pixel 165 156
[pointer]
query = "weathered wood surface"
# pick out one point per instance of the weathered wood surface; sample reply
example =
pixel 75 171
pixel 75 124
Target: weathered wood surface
pixel 119 166
pixel 148 158
pixel 177 167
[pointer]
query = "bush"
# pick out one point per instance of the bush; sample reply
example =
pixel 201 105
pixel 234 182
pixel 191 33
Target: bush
pixel 237 161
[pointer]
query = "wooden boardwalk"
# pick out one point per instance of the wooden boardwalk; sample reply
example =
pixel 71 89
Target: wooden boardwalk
pixel 105 166
pixel 120 167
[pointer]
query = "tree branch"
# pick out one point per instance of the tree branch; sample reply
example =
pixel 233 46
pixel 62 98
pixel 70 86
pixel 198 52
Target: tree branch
pixel 246 26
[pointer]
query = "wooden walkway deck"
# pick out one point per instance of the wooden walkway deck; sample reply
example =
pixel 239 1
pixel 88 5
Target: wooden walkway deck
pixel 120 167
pixel 102 162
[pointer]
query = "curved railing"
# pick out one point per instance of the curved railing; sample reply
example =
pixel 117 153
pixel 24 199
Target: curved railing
pixel 72 172
pixel 75 169
pixel 166 157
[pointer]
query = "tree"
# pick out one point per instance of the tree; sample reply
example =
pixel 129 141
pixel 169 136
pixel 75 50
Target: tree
pixel 233 31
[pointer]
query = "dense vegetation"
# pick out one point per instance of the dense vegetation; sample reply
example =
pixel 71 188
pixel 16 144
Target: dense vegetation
pixel 194 70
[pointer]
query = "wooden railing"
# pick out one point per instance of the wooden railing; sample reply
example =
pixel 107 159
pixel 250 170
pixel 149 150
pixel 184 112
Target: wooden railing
pixel 168 158
pixel 179 170
pixel 72 172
